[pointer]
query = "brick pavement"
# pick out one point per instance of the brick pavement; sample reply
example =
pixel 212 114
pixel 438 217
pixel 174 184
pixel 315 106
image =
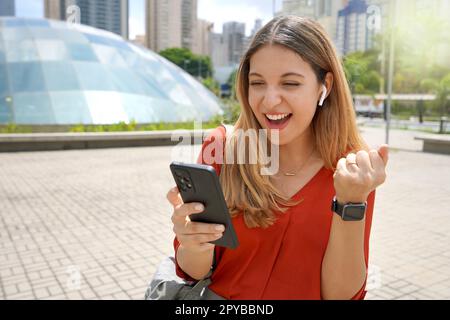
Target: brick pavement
pixel 93 224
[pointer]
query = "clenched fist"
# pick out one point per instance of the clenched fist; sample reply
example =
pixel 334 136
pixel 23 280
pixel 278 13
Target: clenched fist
pixel 357 175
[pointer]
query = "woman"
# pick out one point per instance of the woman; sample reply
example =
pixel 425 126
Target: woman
pixel 293 244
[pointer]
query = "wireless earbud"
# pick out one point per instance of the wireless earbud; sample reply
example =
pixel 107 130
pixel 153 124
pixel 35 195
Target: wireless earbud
pixel 324 94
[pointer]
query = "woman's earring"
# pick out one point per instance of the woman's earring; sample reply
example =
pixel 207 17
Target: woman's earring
pixel 324 94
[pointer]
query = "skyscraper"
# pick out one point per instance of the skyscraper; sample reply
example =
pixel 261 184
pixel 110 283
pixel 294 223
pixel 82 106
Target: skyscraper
pixel 188 23
pixel 171 23
pixel 256 27
pixel 234 37
pixel 324 11
pixel 7 8
pixel 110 15
pixel 219 50
pixel 303 8
pixel 163 24
pixel 352 33
pixel 203 38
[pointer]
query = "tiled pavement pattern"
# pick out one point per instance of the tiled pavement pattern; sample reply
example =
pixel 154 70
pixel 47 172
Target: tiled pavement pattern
pixel 93 224
pixel 410 239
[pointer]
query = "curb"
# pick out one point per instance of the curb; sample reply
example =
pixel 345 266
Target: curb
pixel 96 140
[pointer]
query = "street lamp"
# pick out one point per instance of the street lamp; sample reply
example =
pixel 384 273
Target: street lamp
pixel 374 17
pixel 391 67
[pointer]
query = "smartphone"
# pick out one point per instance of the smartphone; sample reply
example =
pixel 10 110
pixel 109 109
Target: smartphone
pixel 200 183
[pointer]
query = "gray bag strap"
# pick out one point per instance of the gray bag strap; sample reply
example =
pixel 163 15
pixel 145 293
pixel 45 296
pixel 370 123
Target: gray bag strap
pixel 197 290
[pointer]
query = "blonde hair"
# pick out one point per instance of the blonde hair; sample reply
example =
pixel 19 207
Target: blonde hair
pixel 333 126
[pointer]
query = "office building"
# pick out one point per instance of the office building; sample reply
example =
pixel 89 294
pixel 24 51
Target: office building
pixel 324 11
pixel 234 38
pixel 171 24
pixel 109 15
pixel 303 8
pixel 219 50
pixel 258 25
pixel 188 24
pixel 203 38
pixel 352 34
pixel 7 8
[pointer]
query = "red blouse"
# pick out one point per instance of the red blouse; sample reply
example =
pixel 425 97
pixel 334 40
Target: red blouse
pixel 284 260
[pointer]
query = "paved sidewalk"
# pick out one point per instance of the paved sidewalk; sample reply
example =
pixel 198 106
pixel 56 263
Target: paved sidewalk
pixel 93 224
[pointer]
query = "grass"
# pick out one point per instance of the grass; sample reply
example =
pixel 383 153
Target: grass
pixel 231 110
pixel 14 128
pixel 405 127
pixel 118 127
pixel 133 126
pixel 408 116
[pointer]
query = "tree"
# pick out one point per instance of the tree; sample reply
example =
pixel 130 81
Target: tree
pixel 232 83
pixel 361 76
pixel 426 86
pixel 194 64
pixel 442 95
pixel 441 88
pixel 212 85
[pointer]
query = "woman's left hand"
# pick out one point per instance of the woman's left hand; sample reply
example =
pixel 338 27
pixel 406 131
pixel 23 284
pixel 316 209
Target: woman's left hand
pixel 357 175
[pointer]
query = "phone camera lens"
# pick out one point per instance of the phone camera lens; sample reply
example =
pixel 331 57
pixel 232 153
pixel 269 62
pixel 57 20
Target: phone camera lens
pixel 189 185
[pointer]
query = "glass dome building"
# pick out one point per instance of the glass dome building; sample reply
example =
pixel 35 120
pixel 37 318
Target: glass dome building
pixel 53 72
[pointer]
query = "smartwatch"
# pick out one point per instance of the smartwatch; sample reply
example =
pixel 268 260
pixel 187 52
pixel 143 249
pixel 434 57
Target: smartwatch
pixel 349 211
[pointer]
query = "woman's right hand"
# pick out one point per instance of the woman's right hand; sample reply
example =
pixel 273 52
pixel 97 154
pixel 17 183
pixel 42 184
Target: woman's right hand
pixel 193 236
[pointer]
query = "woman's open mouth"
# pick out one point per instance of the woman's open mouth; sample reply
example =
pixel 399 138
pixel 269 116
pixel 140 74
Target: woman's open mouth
pixel 277 121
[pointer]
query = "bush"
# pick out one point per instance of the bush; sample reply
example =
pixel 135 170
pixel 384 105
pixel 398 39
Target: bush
pixel 121 126
pixel 133 126
pixel 14 128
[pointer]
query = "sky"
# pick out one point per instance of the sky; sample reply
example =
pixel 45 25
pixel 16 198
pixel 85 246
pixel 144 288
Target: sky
pixel 217 11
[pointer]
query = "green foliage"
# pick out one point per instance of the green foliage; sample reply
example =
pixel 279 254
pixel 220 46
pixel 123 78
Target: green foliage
pixel 14 128
pixel 232 110
pixel 445 82
pixel 361 78
pixel 419 65
pixel 212 85
pixel 418 47
pixel 232 83
pixel 121 126
pixel 190 62
pixel 133 126
pixel 428 85
pixel 443 91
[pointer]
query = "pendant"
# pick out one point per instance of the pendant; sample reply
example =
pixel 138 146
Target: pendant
pixel 289 174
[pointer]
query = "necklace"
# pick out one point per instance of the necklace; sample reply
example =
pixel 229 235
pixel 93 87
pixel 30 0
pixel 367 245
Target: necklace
pixel 291 174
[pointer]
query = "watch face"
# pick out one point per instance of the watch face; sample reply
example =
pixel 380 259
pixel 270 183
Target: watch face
pixel 354 212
